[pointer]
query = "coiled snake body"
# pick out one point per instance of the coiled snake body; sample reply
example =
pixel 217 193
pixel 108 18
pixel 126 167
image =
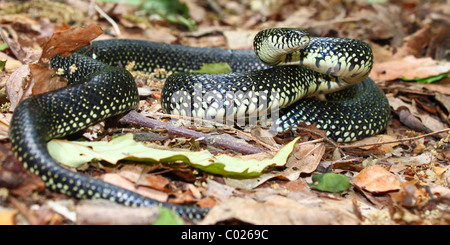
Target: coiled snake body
pixel 99 89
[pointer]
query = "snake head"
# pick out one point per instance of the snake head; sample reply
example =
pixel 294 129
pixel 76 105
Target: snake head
pixel 272 45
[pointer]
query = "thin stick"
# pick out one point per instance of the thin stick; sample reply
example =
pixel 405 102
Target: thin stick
pixel 109 19
pixel 23 210
pixel 221 125
pixel 325 138
pixel 137 119
pixel 396 141
pixel 12 46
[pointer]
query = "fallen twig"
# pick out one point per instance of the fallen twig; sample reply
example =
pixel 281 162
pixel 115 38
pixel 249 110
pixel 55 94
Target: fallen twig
pixel 109 19
pixel 324 137
pixel 221 125
pixel 137 119
pixel 14 47
pixel 23 210
pixel 395 141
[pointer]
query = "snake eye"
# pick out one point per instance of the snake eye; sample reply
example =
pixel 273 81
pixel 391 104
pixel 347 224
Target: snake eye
pixel 304 41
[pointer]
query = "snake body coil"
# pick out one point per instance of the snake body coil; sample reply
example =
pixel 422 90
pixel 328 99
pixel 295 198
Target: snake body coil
pixel 99 89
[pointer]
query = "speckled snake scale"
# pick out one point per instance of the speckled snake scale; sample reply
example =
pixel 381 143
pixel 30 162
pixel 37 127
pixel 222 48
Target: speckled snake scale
pixel 99 88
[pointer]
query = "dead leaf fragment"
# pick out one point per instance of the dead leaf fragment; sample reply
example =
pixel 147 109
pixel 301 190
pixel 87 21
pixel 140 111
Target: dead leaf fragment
pixel 118 180
pixel 240 39
pixel 304 158
pixel 277 211
pixel 68 41
pixel 64 43
pixel 42 77
pixel 408 67
pixel 135 174
pixel 11 63
pixel 414 43
pixel 444 99
pixel 219 191
pixel 409 195
pixel 387 148
pixel 411 116
pixel 421 159
pixel 376 179
pixel 7 217
pixel 16 86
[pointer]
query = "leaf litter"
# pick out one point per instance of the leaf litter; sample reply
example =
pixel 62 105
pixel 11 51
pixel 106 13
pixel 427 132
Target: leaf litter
pixel 398 177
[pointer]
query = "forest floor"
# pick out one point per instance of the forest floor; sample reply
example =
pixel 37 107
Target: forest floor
pixel 401 176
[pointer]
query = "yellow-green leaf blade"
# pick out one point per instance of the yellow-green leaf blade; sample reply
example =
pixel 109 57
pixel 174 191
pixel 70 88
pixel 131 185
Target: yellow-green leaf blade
pixel 124 147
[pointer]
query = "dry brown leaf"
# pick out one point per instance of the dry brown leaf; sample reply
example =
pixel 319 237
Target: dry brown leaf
pixel 278 211
pixel 43 80
pixel 219 191
pixel 439 171
pixel 421 159
pixel 196 12
pixel 409 195
pixel 298 185
pixel 5 118
pixel 240 39
pixel 443 88
pixel 263 135
pixel 64 43
pixel 444 100
pixel 381 53
pixel 67 42
pixel 409 120
pixel 159 35
pixel 28 186
pixel 301 17
pixel 408 67
pixel 207 202
pixel 11 63
pixel 7 217
pixel 135 175
pixel 386 22
pixel 387 148
pixel 430 123
pixel 376 179
pixel 304 159
pixel 440 191
pixel 16 84
pixel 118 180
pixel 397 168
pixel 414 43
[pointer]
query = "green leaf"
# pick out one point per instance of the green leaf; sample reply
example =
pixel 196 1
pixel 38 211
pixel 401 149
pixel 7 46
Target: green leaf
pixel 429 80
pixel 330 182
pixel 74 154
pixel 171 10
pixel 3 46
pixel 214 68
pixel 2 65
pixel 168 217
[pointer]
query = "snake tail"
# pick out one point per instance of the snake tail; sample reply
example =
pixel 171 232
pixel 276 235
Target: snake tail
pixel 96 91
pixel 99 87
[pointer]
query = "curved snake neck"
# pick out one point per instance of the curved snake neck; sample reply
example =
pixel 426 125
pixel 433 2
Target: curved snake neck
pixel 99 89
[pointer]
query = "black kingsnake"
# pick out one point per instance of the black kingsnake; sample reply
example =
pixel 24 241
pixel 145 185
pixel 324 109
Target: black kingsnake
pixel 99 89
